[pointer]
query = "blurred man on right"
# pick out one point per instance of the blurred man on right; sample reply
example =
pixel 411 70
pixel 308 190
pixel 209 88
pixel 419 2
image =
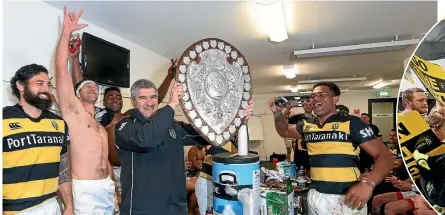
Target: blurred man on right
pixel 415 99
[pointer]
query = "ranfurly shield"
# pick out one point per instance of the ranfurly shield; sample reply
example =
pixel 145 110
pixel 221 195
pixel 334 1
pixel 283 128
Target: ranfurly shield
pixel 217 88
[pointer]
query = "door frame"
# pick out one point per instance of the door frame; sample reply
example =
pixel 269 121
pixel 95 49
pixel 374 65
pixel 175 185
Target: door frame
pixel 383 100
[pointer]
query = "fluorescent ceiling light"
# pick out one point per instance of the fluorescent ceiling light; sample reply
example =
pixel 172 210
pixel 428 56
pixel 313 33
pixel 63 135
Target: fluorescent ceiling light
pixel 381 84
pixel 290 74
pixel 355 49
pixel 306 92
pixel 332 80
pixel 272 17
pixel 289 71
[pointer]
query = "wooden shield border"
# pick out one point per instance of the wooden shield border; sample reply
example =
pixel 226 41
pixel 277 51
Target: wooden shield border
pixel 235 56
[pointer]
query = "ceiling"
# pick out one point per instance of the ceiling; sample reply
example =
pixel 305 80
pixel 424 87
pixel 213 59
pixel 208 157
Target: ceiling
pixel 168 28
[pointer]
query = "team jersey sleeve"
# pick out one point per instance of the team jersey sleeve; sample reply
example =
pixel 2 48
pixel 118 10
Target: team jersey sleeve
pixel 360 131
pixel 376 131
pixel 300 126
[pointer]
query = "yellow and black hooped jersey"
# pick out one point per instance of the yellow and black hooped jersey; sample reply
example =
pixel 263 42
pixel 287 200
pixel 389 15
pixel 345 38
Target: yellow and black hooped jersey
pixel 333 150
pixel 31 157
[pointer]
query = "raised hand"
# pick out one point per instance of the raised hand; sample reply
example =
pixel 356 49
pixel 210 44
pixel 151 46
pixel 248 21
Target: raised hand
pixel 272 106
pixel 172 69
pixel 287 112
pixel 248 112
pixel 70 21
pixel 175 95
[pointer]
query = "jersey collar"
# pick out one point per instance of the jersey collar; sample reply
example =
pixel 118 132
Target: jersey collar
pixel 20 108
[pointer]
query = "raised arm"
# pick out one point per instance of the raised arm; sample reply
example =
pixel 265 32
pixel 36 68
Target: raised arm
pixel 163 89
pixel 286 112
pixel 64 83
pixel 283 128
pixel 75 64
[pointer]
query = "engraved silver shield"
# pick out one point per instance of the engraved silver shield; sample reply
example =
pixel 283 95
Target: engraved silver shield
pixel 217 88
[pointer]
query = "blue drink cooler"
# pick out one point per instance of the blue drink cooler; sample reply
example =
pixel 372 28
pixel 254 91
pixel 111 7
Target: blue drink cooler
pixel 233 173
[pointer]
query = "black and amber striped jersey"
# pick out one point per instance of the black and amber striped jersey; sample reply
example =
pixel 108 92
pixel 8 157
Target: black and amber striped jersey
pixel 395 151
pixel 333 150
pixel 31 157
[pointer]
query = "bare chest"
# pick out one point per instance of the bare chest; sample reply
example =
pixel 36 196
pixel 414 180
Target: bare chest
pixel 88 131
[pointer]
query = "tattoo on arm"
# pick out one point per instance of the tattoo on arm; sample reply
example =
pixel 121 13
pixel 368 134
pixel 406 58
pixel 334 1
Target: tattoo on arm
pixel 65 169
pixel 280 124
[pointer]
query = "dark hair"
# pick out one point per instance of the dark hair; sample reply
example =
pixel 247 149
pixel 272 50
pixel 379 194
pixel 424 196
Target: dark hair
pixel 23 75
pixel 109 89
pixel 332 86
pixel 365 114
pixel 393 129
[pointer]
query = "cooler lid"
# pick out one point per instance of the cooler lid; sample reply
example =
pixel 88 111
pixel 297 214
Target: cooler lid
pixel 234 158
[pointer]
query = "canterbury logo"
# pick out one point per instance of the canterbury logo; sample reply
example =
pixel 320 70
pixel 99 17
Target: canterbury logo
pixel 14 125
pixel 335 126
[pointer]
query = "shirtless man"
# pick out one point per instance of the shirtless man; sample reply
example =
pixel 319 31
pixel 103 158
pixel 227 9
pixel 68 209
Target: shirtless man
pixel 93 188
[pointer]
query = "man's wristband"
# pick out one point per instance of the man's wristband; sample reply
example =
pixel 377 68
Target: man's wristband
pixel 368 182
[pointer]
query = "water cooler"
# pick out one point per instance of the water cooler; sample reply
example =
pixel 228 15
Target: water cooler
pixel 236 180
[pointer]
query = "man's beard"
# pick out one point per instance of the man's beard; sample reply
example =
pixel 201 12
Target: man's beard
pixel 36 101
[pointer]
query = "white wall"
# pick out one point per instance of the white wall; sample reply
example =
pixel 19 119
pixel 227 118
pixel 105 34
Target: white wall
pixel 31 32
pixel 440 10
